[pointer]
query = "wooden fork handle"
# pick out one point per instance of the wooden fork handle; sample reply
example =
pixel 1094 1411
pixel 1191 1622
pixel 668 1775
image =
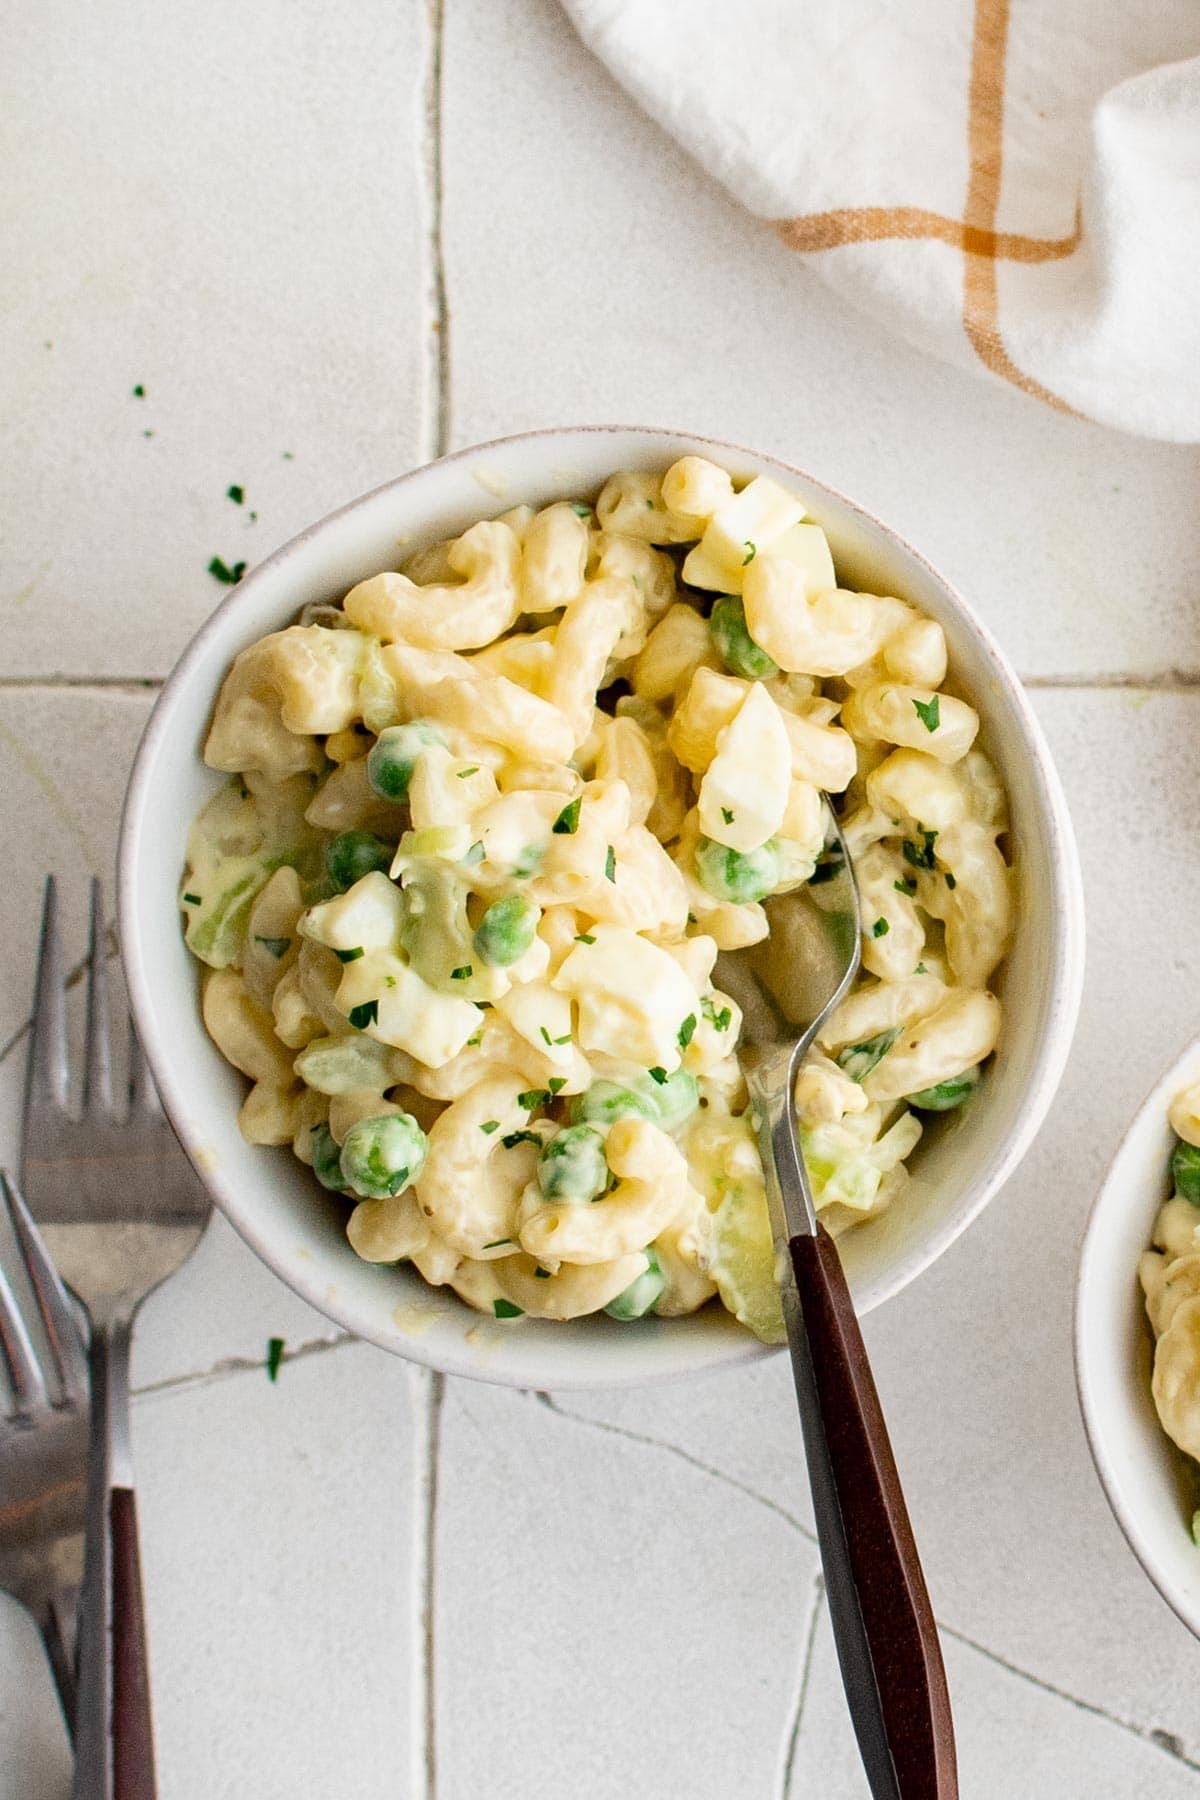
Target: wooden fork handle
pixel 132 1731
pixel 877 1595
pixel 114 1741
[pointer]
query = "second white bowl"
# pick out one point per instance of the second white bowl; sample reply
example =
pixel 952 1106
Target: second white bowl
pixel 1139 1468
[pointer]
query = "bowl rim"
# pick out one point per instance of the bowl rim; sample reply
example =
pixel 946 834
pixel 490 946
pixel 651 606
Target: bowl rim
pixel 1064 904
pixel 1091 1259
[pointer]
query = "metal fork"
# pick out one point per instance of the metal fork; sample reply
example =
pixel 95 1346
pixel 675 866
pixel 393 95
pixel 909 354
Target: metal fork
pixel 121 1207
pixel 43 1441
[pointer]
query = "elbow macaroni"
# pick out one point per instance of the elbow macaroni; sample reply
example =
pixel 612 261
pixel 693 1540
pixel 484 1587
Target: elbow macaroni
pixel 492 819
pixel 1169 1273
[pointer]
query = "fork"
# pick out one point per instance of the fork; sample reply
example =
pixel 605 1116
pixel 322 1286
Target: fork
pixel 43 1441
pixel 121 1208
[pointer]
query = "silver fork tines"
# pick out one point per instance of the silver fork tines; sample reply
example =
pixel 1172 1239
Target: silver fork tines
pixel 58 1319
pixel 64 1148
pixel 43 1438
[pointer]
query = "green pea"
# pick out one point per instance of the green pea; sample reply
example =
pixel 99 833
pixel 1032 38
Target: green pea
pixel 1185 1171
pixel 736 648
pixel 394 755
pixel 506 930
pixel 665 1102
pixel 949 1094
pixel 354 854
pixel 737 875
pixel 381 1156
pixel 572 1165
pixel 643 1292
pixel 327 1158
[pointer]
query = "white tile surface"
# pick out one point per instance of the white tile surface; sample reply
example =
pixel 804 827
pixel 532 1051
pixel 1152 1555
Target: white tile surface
pixel 220 208
pixel 623 1585
pixel 602 1621
pixel 276 1526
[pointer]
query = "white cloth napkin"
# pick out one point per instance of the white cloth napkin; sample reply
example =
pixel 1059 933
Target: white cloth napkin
pixel 1012 184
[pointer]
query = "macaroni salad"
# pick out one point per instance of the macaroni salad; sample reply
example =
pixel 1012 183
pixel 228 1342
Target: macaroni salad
pixel 1170 1278
pixel 490 823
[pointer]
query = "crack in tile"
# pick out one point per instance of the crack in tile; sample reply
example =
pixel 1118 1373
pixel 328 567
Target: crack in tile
pixel 685 1456
pixel 795 1719
pixel 240 1365
pixel 1166 1742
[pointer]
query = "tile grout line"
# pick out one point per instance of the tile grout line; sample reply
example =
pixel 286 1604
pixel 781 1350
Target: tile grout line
pixel 436 409
pixel 796 1719
pixel 429 1386
pixel 1164 1741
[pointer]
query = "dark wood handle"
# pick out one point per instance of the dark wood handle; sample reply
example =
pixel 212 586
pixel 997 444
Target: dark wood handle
pixel 855 1474
pixel 133 1737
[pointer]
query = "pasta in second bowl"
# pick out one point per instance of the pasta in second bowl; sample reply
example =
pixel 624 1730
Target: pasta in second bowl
pixel 367 763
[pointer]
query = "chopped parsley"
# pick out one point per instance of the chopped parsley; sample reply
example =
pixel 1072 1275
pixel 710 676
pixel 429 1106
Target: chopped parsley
pixel 473 770
pixel 277 946
pixel 580 509
pixel 364 1015
pixel 929 712
pixel 532 1098
pixel 462 974
pixel 907 886
pixel 659 1075
pixel 546 1038
pixel 727 814
pixel 139 393
pixel 857 1060
pixel 235 493
pixel 191 899
pixel 720 1021
pixel 751 552
pixel 880 928
pixel 557 1083
pixel 567 822
pixel 921 969
pixel 345 956
pixel 920 856
pixel 951 882
pixel 510 1143
pixel 687 1031
pixel 496 1242
pixel 275 1346
pixel 584 937
pixel 224 573
pixel 504 1309
pixel 489 1125
pixel 610 865
pixel 829 864
pixel 473 1042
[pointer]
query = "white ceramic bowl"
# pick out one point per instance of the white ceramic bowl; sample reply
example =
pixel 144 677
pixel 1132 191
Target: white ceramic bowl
pixel 274 1202
pixel 1137 1465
